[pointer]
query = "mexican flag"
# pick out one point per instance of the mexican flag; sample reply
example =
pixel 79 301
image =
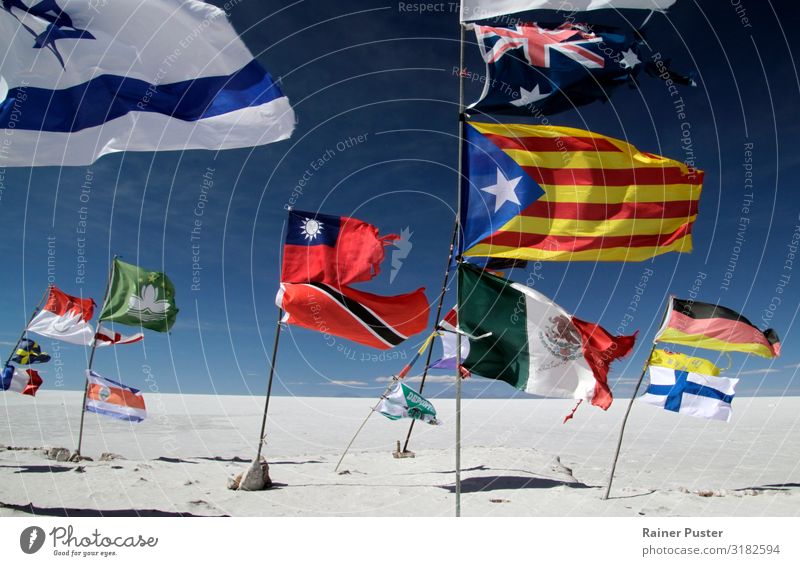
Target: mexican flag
pixel 404 402
pixel 138 297
pixel 534 344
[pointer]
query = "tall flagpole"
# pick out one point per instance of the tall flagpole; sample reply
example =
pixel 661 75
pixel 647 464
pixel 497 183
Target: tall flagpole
pixel 25 330
pixel 436 322
pixel 461 125
pixel 630 405
pixel 91 355
pixel 278 328
pixel 269 384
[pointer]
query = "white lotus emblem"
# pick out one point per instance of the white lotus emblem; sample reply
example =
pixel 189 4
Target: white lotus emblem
pixel 148 306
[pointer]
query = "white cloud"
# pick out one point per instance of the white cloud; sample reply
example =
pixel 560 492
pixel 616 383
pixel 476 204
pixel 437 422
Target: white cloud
pixel 756 371
pixel 345 382
pixel 418 378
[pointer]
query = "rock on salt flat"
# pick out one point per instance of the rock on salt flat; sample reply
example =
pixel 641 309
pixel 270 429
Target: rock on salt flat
pixel 518 459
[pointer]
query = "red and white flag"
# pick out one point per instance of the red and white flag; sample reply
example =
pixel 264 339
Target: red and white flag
pixel 25 381
pixel 65 317
pixel 105 337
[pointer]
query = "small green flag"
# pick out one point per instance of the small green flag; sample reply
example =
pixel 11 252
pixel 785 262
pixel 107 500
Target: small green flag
pixel 138 297
pixel 402 401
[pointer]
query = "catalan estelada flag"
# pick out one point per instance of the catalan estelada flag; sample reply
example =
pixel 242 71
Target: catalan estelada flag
pixel 555 193
pixel 714 327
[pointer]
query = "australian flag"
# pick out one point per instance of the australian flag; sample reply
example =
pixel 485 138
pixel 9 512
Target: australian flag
pixel 536 70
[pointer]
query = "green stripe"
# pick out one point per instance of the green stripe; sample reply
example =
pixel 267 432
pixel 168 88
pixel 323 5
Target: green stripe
pixel 487 303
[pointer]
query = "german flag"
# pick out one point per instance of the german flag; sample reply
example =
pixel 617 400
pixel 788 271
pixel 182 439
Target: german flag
pixel 714 327
pixel 555 193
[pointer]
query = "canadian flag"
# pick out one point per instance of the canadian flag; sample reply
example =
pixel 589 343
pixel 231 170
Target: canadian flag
pixel 65 317
pixel 106 337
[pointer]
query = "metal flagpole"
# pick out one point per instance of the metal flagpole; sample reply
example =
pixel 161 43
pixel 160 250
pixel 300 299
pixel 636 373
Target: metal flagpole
pixel 403 373
pixel 91 357
pixel 461 124
pixel 630 405
pixel 436 323
pixel 25 330
pixel 371 411
pixel 278 328
pixel 269 384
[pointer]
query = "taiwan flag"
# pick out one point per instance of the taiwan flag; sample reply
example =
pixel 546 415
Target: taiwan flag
pixel 336 250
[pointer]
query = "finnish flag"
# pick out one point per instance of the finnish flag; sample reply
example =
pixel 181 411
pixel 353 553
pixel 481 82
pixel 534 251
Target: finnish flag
pixel 83 78
pixel 691 393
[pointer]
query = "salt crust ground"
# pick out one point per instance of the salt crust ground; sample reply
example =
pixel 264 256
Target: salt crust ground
pixel 518 459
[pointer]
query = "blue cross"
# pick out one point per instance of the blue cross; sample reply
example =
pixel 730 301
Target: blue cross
pixel 682 385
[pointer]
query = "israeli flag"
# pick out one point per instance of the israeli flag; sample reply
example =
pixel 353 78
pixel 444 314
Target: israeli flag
pixel 83 78
pixel 691 393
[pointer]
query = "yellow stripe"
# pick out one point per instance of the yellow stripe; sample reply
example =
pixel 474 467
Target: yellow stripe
pixel 590 160
pixel 595 228
pixel 615 195
pixel 539 131
pixel 610 254
pixel 682 362
pixel 701 341
pixel 427 341
pixel 594 159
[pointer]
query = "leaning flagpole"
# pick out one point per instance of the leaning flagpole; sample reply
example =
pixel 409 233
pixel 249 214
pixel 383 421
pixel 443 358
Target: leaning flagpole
pixel 91 354
pixel 461 124
pixel 25 330
pixel 278 327
pixel 428 344
pixel 630 405
pixel 272 361
pixel 442 293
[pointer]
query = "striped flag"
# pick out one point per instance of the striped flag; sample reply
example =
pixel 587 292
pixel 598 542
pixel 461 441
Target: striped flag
pixel 25 381
pixel 563 194
pixel 372 320
pixel 113 399
pixel 92 77
pixel 106 337
pixel 714 327
pixel 481 9
pixel 691 393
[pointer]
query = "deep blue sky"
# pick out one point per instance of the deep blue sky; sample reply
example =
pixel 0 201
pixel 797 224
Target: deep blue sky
pixel 356 68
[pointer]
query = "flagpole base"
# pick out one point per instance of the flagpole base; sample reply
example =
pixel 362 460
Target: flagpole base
pixel 398 453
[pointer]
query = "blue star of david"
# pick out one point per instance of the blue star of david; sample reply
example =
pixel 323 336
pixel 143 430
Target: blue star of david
pixel 60 25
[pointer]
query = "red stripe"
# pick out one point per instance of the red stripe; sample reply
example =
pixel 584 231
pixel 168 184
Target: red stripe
pixel 610 211
pixel 614 177
pixel 562 143
pixel 732 331
pixel 576 244
pixel 121 397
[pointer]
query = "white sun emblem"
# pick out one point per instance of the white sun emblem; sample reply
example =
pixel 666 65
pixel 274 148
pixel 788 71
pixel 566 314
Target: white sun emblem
pixel 311 228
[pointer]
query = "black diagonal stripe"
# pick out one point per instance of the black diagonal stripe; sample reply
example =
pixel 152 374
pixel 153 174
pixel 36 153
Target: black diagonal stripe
pixel 356 309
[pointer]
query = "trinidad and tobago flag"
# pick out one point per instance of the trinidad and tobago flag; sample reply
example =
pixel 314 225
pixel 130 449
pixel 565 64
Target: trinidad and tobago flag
pixel 714 327
pixel 336 250
pixel 372 320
